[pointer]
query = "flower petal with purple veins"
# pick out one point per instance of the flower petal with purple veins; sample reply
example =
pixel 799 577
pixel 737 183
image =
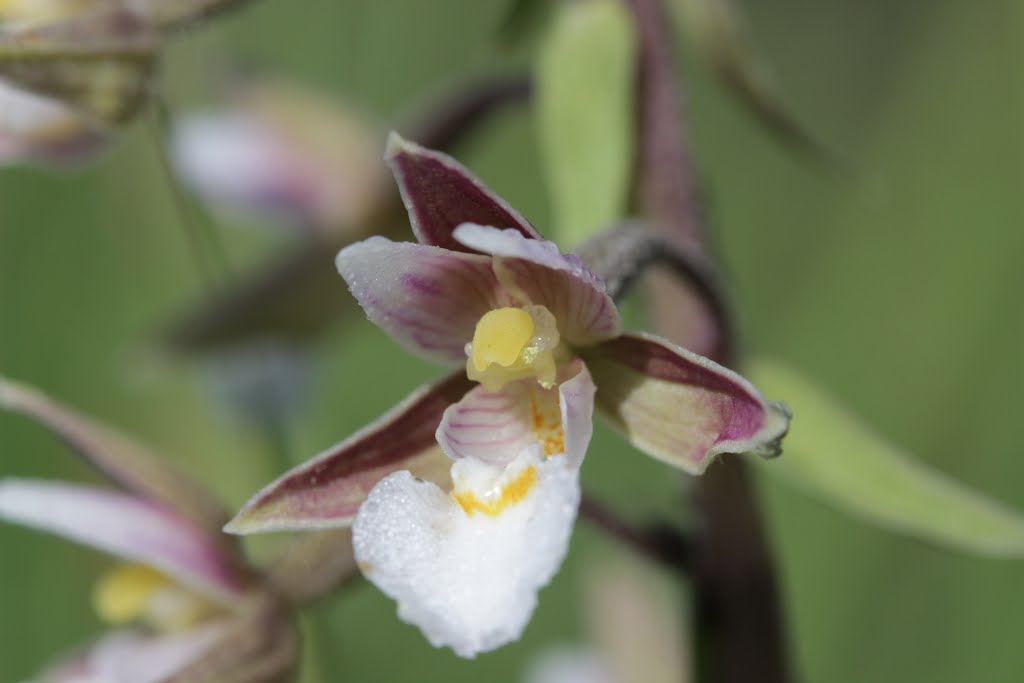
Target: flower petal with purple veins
pixel 326 492
pixel 496 426
pixel 536 272
pixel 426 298
pixel 679 407
pixel 128 527
pixel 441 194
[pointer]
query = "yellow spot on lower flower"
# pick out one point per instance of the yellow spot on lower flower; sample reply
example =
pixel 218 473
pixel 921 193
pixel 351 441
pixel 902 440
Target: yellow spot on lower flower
pixel 511 493
pixel 122 594
pixel 500 336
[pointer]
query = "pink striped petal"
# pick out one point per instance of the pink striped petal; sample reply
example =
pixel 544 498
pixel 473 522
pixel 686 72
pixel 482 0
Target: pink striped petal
pixel 123 525
pixel 535 272
pixel 428 299
pixel 440 194
pixel 326 492
pixel 679 407
pixel 497 426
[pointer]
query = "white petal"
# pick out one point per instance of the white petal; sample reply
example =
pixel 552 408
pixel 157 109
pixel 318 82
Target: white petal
pixel 468 581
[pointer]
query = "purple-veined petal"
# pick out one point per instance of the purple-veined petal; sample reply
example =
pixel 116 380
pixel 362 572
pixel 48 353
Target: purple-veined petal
pixel 125 462
pixel 441 194
pixel 679 407
pixel 126 526
pixel 496 426
pixel 327 491
pixel 427 298
pixel 536 272
pixel 466 568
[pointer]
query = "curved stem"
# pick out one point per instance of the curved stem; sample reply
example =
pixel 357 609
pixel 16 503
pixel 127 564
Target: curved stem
pixel 621 254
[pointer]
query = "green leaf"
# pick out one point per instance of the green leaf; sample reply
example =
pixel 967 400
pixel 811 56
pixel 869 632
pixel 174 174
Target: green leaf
pixel 585 80
pixel 832 455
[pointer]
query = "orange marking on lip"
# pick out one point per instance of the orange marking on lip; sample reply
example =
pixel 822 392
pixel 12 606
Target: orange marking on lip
pixel 512 493
pixel 547 423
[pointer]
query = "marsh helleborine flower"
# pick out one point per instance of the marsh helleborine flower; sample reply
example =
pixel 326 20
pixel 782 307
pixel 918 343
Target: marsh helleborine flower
pixel 537 343
pixel 184 606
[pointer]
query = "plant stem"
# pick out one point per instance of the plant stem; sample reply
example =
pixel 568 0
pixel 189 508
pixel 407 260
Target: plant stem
pixel 740 626
pixel 662 544
pixel 203 238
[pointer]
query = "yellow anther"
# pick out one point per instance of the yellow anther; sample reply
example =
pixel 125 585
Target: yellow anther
pixel 500 337
pixel 123 594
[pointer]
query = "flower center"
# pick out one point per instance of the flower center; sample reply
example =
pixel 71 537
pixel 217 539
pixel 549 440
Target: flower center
pixel 500 337
pixel 131 592
pixel 513 343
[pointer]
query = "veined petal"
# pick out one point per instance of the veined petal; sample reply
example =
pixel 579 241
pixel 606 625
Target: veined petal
pixel 679 407
pixel 427 298
pixel 125 462
pixel 327 491
pixel 441 194
pixel 128 527
pixel 536 272
pixel 466 568
pixel 496 426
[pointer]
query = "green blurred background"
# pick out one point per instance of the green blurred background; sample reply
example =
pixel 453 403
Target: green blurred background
pixel 893 283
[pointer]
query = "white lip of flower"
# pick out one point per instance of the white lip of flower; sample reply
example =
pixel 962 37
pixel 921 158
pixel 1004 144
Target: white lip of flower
pixel 465 567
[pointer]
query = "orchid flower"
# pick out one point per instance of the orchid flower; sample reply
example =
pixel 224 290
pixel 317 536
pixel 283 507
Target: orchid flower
pixel 183 604
pixel 537 344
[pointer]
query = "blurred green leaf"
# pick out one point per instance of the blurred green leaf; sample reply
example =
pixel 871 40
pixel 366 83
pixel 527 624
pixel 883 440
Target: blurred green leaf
pixel 832 455
pixel 585 115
